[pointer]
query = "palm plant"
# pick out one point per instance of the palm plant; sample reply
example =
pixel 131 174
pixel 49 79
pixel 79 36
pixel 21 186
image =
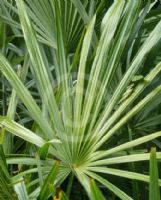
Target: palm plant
pixel 81 98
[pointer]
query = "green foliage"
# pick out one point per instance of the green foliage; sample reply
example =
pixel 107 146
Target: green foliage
pixel 47 189
pixel 154 182
pixel 6 185
pixel 80 99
